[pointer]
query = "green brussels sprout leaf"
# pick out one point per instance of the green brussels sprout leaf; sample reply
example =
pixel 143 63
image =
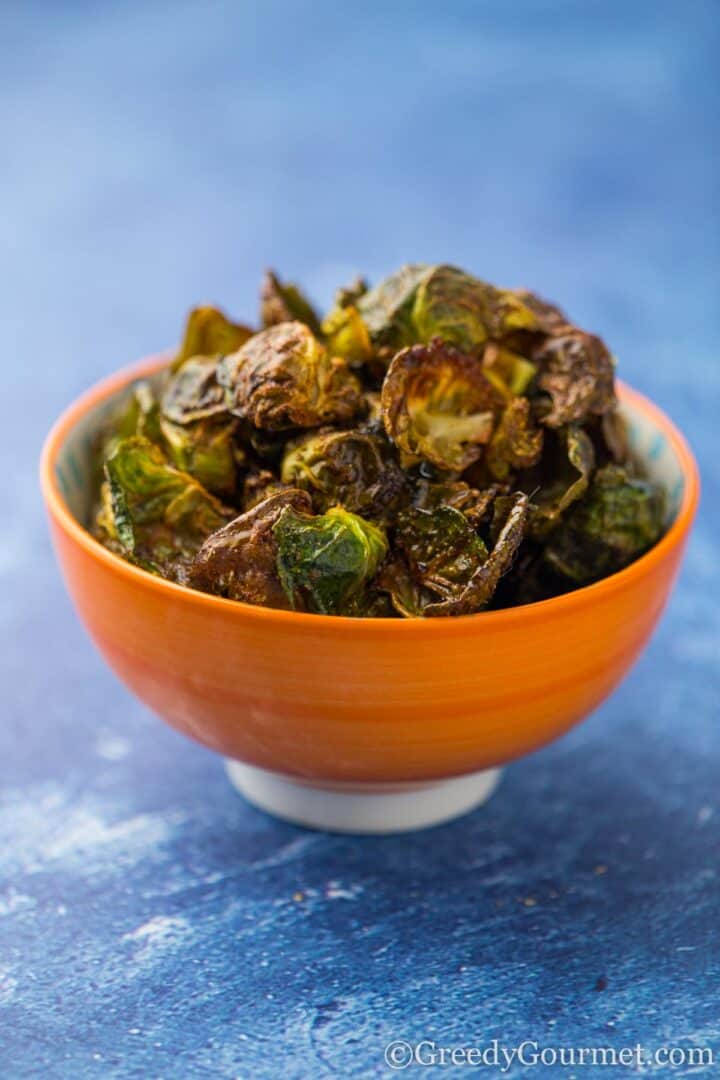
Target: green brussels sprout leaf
pixel 155 511
pixel 208 332
pixel 207 450
pixel 618 520
pixel 326 562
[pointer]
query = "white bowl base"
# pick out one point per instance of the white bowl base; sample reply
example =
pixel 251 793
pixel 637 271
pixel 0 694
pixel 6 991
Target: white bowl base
pixel 362 808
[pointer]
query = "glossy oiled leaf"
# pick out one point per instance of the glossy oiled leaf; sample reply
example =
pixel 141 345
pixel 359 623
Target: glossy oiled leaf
pixel 353 469
pixel 156 511
pixel 325 563
pixel 479 591
pixel 619 519
pixel 516 443
pixel 239 561
pixel 284 378
pixel 438 406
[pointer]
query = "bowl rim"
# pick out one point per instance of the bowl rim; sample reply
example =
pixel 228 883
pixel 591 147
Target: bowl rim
pixel 64 519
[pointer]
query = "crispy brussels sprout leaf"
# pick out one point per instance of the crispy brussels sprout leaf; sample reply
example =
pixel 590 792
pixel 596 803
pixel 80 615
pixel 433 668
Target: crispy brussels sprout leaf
pixel 570 480
pixel 479 591
pixel 207 450
pixel 618 520
pixel 438 406
pixel 280 303
pixel 209 332
pixel 352 469
pixel 465 311
pixel 516 443
pixel 193 392
pixel 386 310
pixel 577 373
pixel 509 373
pixel 549 318
pixel 283 378
pixel 346 335
pixel 442 549
pixel 449 305
pixel 239 561
pixel 138 415
pixel 474 504
pixel 157 512
pixel 325 562
pixel 350 294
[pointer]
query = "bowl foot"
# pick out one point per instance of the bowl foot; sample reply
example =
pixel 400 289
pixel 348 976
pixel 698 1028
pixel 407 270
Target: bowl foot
pixel 362 808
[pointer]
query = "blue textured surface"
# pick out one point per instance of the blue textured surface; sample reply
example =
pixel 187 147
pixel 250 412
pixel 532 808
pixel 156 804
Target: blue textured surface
pixel 152 924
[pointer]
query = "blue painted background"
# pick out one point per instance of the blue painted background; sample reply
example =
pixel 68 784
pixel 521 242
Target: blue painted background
pixel 157 154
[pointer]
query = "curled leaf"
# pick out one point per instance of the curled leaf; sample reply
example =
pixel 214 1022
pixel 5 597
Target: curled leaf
pixel 516 443
pixel 154 510
pixel 619 519
pixel 386 309
pixel 346 335
pixel 193 392
pixel 577 373
pixel 206 449
pixel 480 589
pixel 325 562
pixel 239 561
pixel 209 332
pixel 280 303
pixel 353 469
pixel 284 378
pixel 441 547
pixel 569 479
pixel 438 406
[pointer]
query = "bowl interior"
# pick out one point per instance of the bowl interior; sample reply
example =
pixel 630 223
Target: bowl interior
pixel 75 473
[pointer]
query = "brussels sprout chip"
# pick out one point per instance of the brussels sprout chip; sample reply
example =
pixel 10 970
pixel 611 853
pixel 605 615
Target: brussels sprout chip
pixel 433 446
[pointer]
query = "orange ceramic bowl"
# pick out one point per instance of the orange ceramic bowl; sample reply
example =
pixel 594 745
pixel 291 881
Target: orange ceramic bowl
pixel 361 705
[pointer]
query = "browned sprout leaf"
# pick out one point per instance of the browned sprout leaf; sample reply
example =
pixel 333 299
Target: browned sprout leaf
pixel 280 303
pixel 578 375
pixel 475 504
pixel 479 591
pixel 239 560
pixel 353 469
pixel 209 332
pixel 284 378
pixel 346 335
pixel 438 406
pixel 517 442
pixel 193 392
pixel 568 481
